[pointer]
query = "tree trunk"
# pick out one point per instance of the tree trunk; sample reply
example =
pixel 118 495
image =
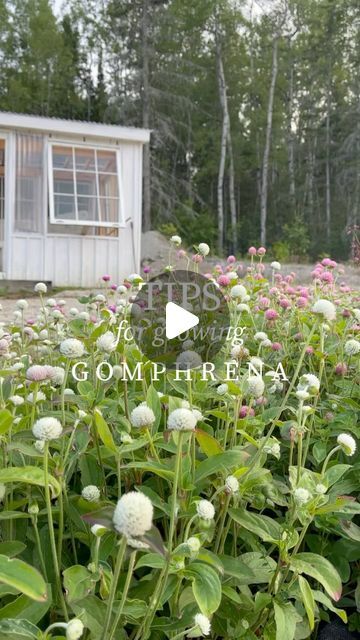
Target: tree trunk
pixel 265 164
pixel 291 154
pixel 146 117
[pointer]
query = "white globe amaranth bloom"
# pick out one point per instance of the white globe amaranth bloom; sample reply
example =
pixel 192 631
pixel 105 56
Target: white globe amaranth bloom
pixel 260 336
pixel 325 308
pixel 47 429
pixel 347 443
pixel 2 491
pixel 126 438
pixel 176 240
pixel 205 510
pixel 321 489
pixel 203 623
pixel 98 530
pixel 352 347
pixel 100 298
pixel 232 484
pixel 188 360
pixel 40 287
pixel 72 348
pixel 302 395
pixel 22 304
pixel 222 389
pixel 121 289
pixel 106 342
pixel 84 315
pixel 310 383
pixel 257 362
pixel 255 386
pixel 194 544
pixel 243 308
pixel 232 275
pixel 39 445
pixel 133 514
pixel 238 292
pixel 118 371
pixel 91 493
pixel 16 400
pixel 135 543
pixel 51 302
pixel 74 629
pixel 187 344
pixel 181 420
pixel 57 376
pixel 142 416
pixel 275 265
pixel 204 249
pixel 301 496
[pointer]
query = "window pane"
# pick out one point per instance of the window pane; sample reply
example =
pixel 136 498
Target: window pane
pixel 86 184
pixel 106 161
pixel 108 186
pixel 64 207
pixel 85 159
pixel 30 183
pixel 109 210
pixel 88 209
pixel 63 181
pixel 62 158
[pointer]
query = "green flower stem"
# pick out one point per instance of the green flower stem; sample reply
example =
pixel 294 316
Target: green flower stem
pixel 63 387
pixel 51 531
pixel 114 583
pixel 151 445
pixel 220 525
pixel 33 408
pixel 184 633
pixel 98 452
pixel 55 625
pixel 38 546
pixel 258 454
pixel 96 553
pixel 124 594
pixel 61 522
pixel 327 459
pixel 299 457
pixel 143 630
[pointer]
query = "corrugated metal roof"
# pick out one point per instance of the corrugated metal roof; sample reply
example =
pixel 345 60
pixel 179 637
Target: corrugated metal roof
pixel 13 120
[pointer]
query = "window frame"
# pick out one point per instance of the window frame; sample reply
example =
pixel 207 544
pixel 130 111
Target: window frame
pixel 76 222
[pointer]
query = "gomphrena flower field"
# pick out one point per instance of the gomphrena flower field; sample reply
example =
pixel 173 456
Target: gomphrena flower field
pixel 183 506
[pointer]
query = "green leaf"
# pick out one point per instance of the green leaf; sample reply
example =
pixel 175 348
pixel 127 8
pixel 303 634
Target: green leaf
pixel 208 444
pixel 351 530
pixel 92 611
pixel 157 468
pixel 6 420
pixel 104 431
pixel 321 597
pixel 29 475
pixel 18 630
pixel 221 463
pixel 206 587
pixel 308 600
pixel 264 527
pixel 78 582
pixel 11 549
pixel 25 608
pixel 13 515
pixel 285 619
pixel 333 474
pixel 153 401
pixel 320 569
pixel 24 577
pixel 249 568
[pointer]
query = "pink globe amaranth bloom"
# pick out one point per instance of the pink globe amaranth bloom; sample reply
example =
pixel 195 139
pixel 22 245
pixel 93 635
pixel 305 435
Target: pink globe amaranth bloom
pixel 261 251
pixel 218 268
pixel 290 290
pixel 276 346
pixel 31 321
pixel 341 369
pixel 252 251
pixel 303 292
pixel 197 258
pixel 240 267
pixel 329 416
pixel 333 264
pixel 278 277
pixel 284 303
pixel 301 302
pixel 38 373
pixel 273 291
pixel 106 277
pixel 355 328
pixel 264 302
pixel 258 276
pixel 246 411
pixel 127 285
pixel 298 336
pixel 208 276
pixel 271 314
pixel 316 274
pixel 260 402
pixel 326 262
pixel 261 267
pixel 181 253
pixel 223 281
pixel 146 269
pixel 231 259
pixel 288 279
pixel 345 288
pixel 113 287
pixel 327 277
pixel 112 308
pixel 346 313
pixel 309 350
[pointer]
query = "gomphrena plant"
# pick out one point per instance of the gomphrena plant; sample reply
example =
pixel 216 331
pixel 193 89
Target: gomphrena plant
pixel 183 506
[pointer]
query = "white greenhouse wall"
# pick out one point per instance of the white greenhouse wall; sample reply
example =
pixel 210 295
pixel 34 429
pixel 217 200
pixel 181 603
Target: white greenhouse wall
pixel 79 260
